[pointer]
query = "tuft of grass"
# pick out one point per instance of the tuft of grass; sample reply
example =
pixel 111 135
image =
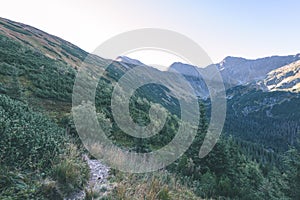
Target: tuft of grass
pixel 90 194
pixel 70 173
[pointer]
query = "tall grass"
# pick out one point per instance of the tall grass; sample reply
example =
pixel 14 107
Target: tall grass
pixel 70 173
pixel 151 186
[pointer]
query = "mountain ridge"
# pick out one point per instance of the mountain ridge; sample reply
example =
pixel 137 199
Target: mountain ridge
pixel 235 70
pixel 52 46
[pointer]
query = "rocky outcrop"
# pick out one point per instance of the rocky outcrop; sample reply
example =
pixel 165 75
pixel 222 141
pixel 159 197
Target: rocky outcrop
pixel 286 78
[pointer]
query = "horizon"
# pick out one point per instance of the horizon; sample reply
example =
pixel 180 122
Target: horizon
pixel 185 62
pixel 166 59
pixel 136 55
pixel 250 30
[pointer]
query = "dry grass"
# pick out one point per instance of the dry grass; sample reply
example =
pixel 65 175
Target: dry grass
pixel 70 173
pixel 151 186
pixel 159 185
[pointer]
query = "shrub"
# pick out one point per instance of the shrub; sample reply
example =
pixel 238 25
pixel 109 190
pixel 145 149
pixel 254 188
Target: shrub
pixel 29 147
pixel 28 139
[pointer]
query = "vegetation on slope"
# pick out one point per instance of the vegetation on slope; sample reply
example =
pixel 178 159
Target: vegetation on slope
pixel 37 158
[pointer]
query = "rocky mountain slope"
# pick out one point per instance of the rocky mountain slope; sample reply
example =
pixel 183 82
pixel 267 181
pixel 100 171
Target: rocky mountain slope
pixel 234 71
pixel 286 78
pixel 240 71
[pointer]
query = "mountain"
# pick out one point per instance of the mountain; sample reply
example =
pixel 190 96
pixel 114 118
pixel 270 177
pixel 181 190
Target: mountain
pixel 49 45
pixel 185 69
pixel 270 118
pixel 241 71
pixel 286 78
pixel 262 97
pixel 234 71
pixel 40 68
pixel 128 62
pixel 193 75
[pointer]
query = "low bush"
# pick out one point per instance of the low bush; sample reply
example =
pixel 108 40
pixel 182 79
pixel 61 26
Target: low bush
pixel 37 159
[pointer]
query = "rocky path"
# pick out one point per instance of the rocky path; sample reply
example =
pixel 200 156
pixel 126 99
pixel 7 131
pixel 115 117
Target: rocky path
pixel 98 180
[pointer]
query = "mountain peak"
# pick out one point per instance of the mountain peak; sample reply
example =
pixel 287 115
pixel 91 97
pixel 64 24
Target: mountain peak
pixel 232 59
pixel 185 69
pixel 128 60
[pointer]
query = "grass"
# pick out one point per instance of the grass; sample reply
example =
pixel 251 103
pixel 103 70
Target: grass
pixel 90 194
pixel 70 173
pixel 151 186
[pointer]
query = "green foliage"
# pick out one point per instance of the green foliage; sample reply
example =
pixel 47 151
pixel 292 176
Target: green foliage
pixel 226 172
pixel 15 28
pixel 74 51
pixel 292 163
pixel 16 184
pixel 270 119
pixel 163 194
pixel 30 144
pixel 44 77
pixel 28 139
pixel 207 185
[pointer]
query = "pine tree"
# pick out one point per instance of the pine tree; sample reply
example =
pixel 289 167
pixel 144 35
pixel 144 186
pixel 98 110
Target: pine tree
pixel 292 162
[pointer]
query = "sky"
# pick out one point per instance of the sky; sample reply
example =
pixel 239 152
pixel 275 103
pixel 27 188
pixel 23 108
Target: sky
pixel 250 29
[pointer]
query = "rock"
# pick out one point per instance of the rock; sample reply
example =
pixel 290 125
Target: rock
pixel 98 180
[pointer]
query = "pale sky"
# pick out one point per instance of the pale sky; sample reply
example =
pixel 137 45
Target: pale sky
pixel 249 29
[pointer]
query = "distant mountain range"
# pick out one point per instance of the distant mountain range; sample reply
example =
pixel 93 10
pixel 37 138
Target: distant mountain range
pixel 240 71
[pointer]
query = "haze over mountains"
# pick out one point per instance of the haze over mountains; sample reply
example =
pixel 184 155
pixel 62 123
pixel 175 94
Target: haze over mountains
pixel 261 94
pixel 266 87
